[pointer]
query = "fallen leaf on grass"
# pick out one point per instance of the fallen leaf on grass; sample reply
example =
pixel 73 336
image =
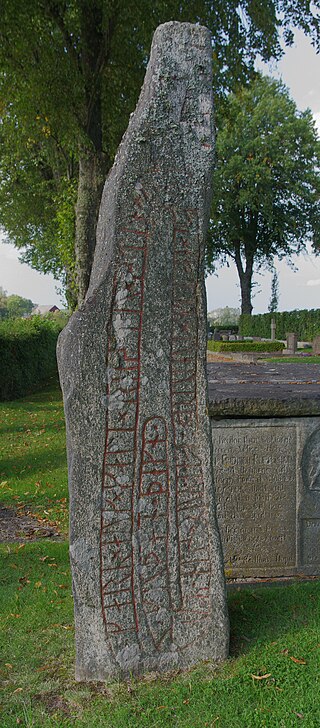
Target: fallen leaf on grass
pixel 63 626
pixel 38 584
pixel 298 662
pixel 7 664
pixel 284 652
pixel 15 615
pixel 18 690
pixel 44 667
pixel 299 715
pixel 261 677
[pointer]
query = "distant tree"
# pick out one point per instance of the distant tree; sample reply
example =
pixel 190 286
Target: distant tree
pixel 18 306
pixel 266 200
pixel 70 74
pixel 274 298
pixel 3 304
pixel 225 315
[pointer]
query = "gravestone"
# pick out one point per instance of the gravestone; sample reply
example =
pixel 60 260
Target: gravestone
pixel 145 550
pixel 267 467
pixel 292 343
pixel 267 477
pixel 316 345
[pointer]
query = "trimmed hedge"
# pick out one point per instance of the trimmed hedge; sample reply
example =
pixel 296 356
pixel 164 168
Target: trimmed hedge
pixel 234 328
pixel 27 355
pixel 235 346
pixel 304 323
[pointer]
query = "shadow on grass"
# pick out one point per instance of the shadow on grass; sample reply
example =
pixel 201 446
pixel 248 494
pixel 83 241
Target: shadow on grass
pixel 262 614
pixel 51 394
pixel 33 427
pixel 46 461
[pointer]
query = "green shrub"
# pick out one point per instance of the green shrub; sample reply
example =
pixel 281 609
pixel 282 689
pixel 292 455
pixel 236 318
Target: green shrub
pixel 234 328
pixel 305 323
pixel 27 355
pixel 234 346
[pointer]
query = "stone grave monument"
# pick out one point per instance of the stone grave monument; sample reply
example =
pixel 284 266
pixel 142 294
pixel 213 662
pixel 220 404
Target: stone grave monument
pixel 316 345
pixel 145 550
pixel 292 343
pixel 266 445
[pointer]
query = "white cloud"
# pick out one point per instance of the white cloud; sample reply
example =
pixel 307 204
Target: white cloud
pixel 314 282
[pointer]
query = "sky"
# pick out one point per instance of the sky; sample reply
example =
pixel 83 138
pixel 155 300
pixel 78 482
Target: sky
pixel 299 69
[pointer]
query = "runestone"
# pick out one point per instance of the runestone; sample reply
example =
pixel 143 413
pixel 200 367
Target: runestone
pixel 146 558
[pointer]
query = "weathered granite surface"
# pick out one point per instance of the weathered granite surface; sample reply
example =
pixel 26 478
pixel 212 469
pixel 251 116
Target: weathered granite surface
pixel 267 467
pixel 145 549
pixel 264 390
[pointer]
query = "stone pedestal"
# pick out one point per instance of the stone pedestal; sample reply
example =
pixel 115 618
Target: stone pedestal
pixel 316 345
pixel 145 550
pixel 266 444
pixel 292 344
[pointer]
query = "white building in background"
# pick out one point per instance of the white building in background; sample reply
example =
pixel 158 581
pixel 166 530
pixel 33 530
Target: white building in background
pixel 42 310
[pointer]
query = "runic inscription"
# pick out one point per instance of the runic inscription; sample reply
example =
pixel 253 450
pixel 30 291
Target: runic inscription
pixel 146 560
pixel 192 515
pixel 136 476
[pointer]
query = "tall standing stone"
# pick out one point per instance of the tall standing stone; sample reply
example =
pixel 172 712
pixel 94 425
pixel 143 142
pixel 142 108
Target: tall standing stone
pixel 145 549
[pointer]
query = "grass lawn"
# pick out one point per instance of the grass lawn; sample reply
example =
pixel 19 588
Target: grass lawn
pixel 294 359
pixel 33 472
pixel 271 679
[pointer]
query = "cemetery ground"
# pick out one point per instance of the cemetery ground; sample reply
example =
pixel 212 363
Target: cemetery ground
pixel 272 677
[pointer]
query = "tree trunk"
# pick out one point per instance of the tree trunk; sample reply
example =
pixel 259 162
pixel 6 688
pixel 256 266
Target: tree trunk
pixel 245 277
pixel 91 179
pixel 245 287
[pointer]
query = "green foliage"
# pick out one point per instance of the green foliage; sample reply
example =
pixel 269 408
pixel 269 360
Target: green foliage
pixel 27 355
pixel 274 298
pixel 224 316
pixel 245 346
pixel 304 323
pixel 3 304
pixel 14 306
pixel 18 306
pixel 228 326
pixel 70 75
pixel 266 182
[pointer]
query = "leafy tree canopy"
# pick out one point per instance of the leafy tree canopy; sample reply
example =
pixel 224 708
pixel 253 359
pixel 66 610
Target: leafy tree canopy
pixel 14 306
pixel 266 182
pixel 225 315
pixel 70 74
pixel 274 298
